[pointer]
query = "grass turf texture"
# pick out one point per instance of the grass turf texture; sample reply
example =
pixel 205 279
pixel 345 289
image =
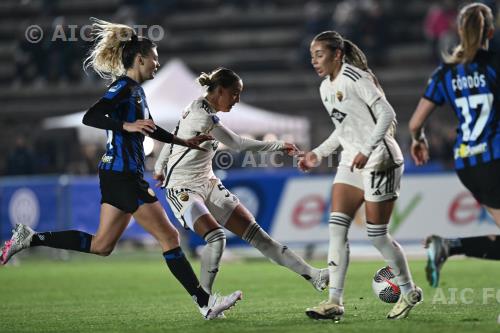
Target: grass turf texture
pixel 136 293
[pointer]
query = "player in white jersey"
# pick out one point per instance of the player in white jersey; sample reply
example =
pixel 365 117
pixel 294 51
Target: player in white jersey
pixel 199 199
pixel 369 171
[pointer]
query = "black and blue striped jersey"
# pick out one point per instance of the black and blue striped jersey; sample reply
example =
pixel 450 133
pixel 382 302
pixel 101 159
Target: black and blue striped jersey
pixel 472 90
pixel 124 101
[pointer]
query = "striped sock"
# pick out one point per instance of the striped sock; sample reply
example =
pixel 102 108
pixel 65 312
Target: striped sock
pixel 392 253
pixel 338 254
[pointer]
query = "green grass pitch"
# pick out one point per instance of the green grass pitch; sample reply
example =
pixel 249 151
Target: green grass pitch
pixel 136 293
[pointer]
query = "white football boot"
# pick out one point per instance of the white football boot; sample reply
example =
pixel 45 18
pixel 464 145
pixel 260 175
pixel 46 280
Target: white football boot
pixel 20 240
pixel 406 303
pixel 217 304
pixel 321 280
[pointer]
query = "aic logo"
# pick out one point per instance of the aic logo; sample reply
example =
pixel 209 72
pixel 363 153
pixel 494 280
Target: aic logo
pixel 24 208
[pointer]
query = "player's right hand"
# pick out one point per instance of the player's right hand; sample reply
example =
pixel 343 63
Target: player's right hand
pixel 290 149
pixel 308 161
pixel 159 178
pixel 143 126
pixel 419 152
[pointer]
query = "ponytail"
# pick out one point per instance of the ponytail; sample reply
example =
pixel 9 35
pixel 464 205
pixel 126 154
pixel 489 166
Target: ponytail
pixel 115 48
pixel 474 21
pixel 352 54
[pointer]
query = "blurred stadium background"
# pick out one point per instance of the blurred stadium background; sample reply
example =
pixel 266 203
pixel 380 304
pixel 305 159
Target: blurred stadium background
pixel 49 164
pixel 48 170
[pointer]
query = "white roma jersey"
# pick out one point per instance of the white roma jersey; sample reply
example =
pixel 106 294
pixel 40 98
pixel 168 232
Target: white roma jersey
pixel 348 100
pixel 190 167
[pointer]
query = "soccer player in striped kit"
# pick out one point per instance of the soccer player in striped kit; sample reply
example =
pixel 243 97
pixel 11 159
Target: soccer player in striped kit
pixel 468 81
pixel 370 168
pixel 199 199
pixel 120 55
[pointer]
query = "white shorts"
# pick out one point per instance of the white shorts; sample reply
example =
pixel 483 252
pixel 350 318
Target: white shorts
pixel 378 185
pixel 188 204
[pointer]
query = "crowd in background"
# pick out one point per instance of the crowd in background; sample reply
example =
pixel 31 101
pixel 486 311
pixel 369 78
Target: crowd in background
pixel 364 22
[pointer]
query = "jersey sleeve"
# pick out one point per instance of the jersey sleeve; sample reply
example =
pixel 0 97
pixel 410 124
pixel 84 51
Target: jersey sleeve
pixel 433 92
pixel 367 90
pixel 203 122
pixel 98 114
pixel 328 146
pixel 117 92
pixel 239 143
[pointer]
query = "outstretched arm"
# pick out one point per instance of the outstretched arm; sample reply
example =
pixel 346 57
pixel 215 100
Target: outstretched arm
pixel 239 143
pixel 313 158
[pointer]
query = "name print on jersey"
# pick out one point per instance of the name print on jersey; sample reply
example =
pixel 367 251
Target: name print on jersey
pixel 469 81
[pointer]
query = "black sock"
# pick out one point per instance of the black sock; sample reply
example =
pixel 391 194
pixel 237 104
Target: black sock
pixel 455 245
pixel 485 247
pixel 68 240
pixel 183 272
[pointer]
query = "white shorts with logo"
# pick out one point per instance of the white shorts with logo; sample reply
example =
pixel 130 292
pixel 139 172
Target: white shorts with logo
pixel 378 185
pixel 188 204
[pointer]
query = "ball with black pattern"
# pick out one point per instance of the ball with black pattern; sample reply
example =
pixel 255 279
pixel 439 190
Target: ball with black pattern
pixel 384 285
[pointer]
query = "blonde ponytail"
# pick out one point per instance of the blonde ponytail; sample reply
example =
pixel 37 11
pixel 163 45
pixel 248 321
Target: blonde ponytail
pixel 105 57
pixel 474 21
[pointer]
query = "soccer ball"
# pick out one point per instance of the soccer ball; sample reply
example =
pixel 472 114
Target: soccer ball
pixel 384 285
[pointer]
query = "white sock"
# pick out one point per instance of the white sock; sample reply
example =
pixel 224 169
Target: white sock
pixel 392 253
pixel 210 257
pixel 338 254
pixel 278 253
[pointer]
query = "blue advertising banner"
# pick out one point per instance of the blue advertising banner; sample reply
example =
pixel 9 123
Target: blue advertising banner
pixel 30 201
pixel 73 202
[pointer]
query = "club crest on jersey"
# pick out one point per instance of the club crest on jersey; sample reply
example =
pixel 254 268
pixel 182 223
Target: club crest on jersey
pixel 340 96
pixel 337 115
pixel 107 159
pixel 184 196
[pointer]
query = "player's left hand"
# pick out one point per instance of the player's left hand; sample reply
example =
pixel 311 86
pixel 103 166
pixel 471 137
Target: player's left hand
pixel 359 162
pixel 290 149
